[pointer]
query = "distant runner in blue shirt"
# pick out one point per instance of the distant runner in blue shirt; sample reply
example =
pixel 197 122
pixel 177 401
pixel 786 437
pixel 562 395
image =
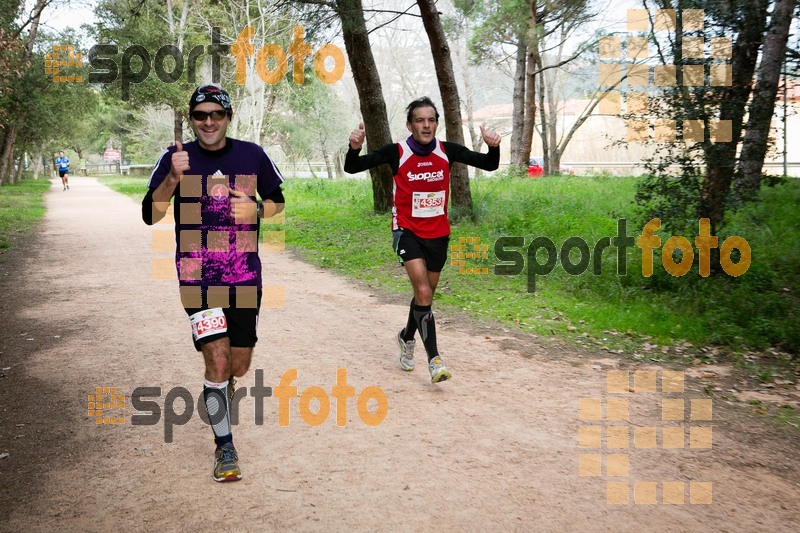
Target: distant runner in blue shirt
pixel 62 164
pixel 214 181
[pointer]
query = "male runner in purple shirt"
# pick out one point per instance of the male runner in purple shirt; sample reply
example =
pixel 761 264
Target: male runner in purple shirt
pixel 214 181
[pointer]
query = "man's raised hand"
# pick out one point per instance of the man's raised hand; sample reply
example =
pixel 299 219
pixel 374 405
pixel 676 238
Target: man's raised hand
pixel 180 161
pixel 357 137
pixel 243 208
pixel 490 137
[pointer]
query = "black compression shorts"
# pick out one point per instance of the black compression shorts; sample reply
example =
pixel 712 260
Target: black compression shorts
pixel 238 324
pixel 433 251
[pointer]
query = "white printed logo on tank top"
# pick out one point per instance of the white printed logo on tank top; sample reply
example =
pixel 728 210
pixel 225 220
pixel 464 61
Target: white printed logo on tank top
pixel 421 190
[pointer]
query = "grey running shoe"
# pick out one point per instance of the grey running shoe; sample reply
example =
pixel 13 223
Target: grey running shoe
pixel 406 352
pixel 439 372
pixel 226 465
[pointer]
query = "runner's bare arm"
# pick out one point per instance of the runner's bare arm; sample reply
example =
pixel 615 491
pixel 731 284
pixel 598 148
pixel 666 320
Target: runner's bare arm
pixel 272 204
pixel 162 195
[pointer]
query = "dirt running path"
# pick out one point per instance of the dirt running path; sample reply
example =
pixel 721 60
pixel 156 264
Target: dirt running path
pixel 496 447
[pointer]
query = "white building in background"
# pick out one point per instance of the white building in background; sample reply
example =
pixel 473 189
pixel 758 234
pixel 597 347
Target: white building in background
pixel 596 145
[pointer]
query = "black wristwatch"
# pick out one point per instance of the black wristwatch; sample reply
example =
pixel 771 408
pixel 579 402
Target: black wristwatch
pixel 260 209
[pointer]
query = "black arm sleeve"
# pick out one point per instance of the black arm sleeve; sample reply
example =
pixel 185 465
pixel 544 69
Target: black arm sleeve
pixel 147 207
pixel 388 154
pixel 461 154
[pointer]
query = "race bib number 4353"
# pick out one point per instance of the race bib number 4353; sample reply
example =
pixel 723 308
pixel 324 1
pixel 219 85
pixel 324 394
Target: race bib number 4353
pixel 208 322
pixel 427 204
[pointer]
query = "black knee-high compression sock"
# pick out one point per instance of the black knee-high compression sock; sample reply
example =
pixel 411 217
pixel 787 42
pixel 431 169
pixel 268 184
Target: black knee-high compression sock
pixel 411 325
pixel 427 329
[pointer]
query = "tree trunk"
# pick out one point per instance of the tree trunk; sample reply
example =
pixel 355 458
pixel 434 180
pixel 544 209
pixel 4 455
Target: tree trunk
pixel 38 167
pixel 327 158
pixel 8 154
pixel 530 109
pixel 177 125
pixel 754 148
pixel 544 115
pixel 460 196
pixel 370 95
pixel 721 157
pixel 20 168
pixel 553 151
pixel 553 86
pixel 530 84
pixel 518 113
pixel 36 14
pixel 311 169
pixel 475 137
pixel 8 146
pixel 339 165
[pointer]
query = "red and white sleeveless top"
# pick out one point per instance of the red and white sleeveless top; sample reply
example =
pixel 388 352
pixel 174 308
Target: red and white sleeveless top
pixel 421 192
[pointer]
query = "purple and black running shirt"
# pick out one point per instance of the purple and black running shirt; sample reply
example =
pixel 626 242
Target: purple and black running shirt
pixel 212 250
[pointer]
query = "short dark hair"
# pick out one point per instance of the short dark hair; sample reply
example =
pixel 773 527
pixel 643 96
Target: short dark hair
pixel 420 102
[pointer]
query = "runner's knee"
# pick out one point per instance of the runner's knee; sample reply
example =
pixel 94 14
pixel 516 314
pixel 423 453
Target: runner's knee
pixel 240 366
pixel 217 355
pixel 423 295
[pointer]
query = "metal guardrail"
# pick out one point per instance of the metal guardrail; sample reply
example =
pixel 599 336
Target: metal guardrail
pixel 115 168
pixel 628 167
pixel 100 168
pixel 319 170
pixel 136 170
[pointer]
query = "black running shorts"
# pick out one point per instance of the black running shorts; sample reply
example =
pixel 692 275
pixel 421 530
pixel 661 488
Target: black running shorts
pixel 239 325
pixel 433 251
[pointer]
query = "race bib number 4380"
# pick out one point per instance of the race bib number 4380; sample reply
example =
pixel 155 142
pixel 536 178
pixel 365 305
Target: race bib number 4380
pixel 427 204
pixel 208 322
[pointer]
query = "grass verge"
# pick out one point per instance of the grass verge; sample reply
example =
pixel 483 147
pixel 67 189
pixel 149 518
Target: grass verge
pixel 331 224
pixel 21 207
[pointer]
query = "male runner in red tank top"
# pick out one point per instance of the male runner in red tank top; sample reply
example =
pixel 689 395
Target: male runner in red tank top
pixel 421 168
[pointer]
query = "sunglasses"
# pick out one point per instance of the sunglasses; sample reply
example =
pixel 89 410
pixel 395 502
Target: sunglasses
pixel 202 116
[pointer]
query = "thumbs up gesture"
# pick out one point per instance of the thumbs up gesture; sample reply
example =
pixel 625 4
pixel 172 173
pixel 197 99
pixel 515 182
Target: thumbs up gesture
pixel 490 137
pixel 180 161
pixel 357 137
